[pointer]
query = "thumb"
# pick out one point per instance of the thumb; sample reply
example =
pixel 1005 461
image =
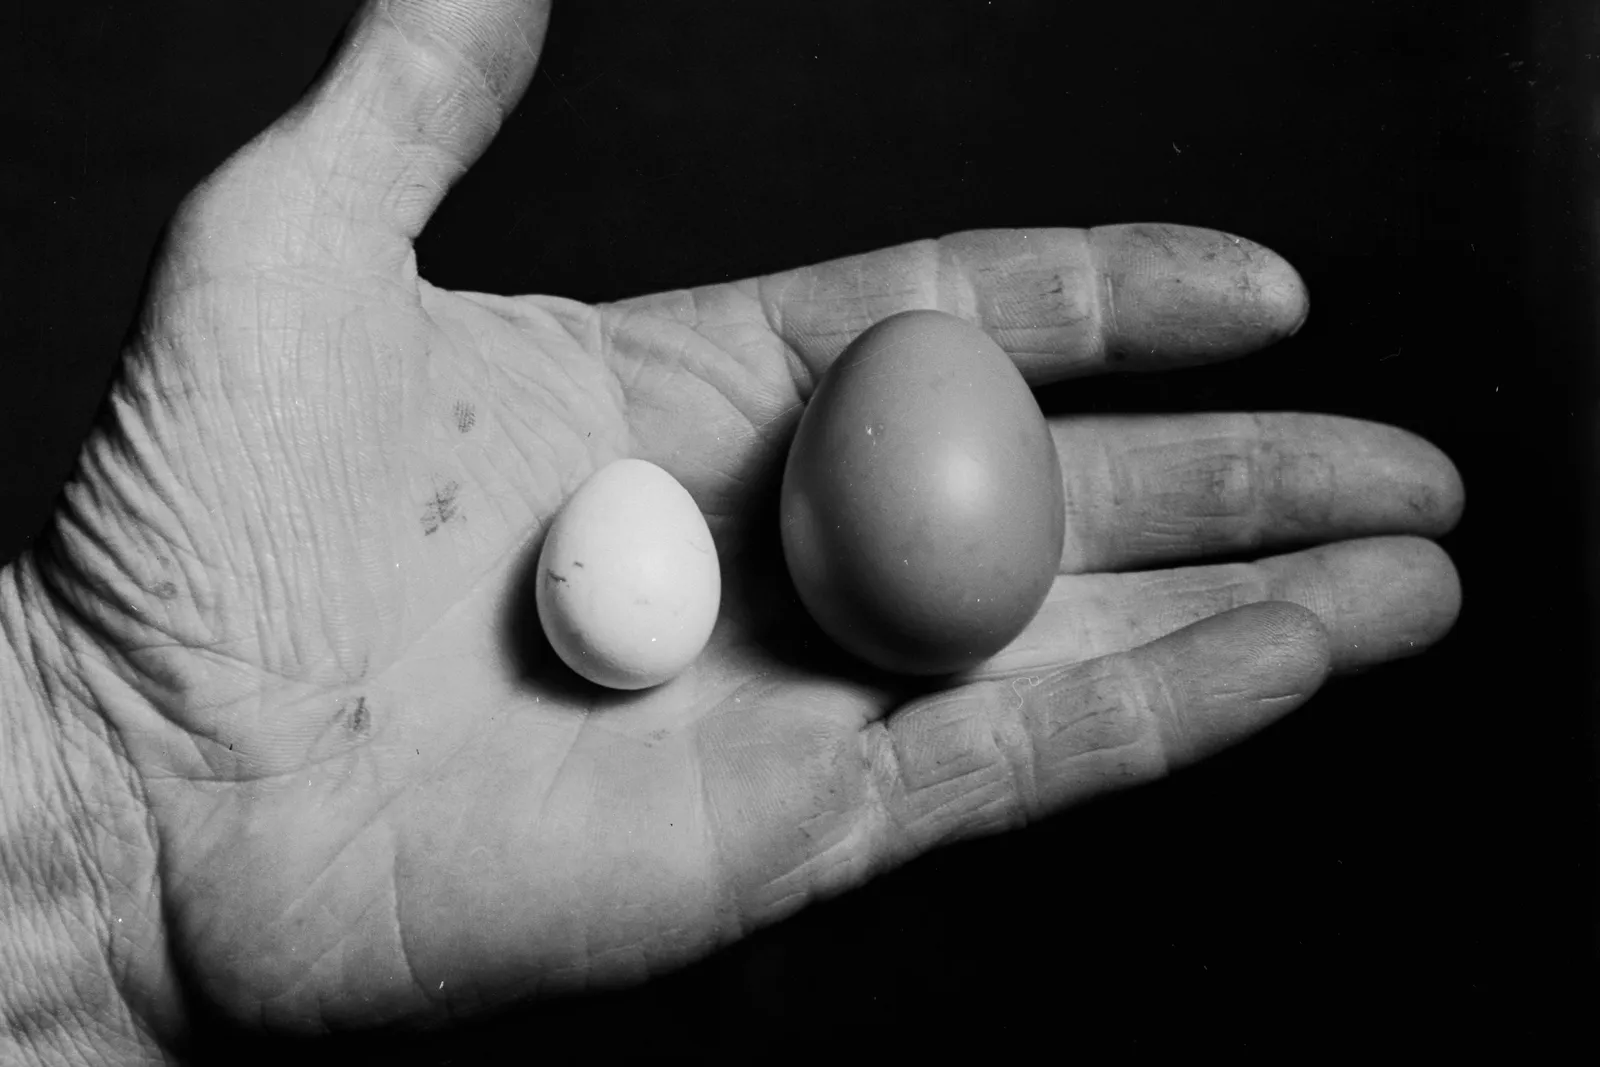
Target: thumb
pixel 412 96
pixel 415 95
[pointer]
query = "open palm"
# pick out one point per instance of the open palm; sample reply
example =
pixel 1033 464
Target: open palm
pixel 300 538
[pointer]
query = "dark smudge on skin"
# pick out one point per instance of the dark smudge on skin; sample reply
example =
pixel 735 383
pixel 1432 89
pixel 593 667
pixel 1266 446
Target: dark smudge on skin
pixel 442 508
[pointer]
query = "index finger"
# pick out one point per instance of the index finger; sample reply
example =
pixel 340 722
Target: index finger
pixel 1062 302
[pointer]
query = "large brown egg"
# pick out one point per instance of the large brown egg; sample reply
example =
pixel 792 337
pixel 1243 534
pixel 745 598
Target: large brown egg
pixel 922 505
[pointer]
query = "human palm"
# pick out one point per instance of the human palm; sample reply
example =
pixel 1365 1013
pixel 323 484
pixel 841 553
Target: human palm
pixel 300 538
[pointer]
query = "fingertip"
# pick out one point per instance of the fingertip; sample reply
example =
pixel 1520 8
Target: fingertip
pixel 1270 649
pixel 1233 674
pixel 1272 296
pixel 1388 597
pixel 1419 486
pixel 1285 301
pixel 1294 640
pixel 1187 294
pixel 1266 639
pixel 1449 490
pixel 1438 571
pixel 1422 576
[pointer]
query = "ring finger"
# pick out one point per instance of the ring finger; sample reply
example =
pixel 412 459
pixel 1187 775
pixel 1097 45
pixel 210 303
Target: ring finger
pixel 1144 491
pixel 1380 598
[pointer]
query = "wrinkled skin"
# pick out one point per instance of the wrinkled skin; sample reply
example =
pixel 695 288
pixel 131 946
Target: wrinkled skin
pixel 290 576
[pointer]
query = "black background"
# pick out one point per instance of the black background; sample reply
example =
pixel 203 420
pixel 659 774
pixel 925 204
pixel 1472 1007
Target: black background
pixel 1408 861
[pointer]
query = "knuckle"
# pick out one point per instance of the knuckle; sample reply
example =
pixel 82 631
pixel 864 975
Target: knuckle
pixel 1163 717
pixel 1216 494
pixel 944 772
pixel 1095 729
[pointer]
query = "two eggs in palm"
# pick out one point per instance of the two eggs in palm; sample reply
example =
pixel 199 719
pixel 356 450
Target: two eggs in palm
pixel 921 513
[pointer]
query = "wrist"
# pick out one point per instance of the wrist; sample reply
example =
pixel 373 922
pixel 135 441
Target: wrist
pixel 84 976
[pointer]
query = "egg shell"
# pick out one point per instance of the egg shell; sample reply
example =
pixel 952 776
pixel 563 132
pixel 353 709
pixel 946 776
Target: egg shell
pixel 628 585
pixel 922 506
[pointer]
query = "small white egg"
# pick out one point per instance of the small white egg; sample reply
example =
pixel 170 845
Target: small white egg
pixel 627 585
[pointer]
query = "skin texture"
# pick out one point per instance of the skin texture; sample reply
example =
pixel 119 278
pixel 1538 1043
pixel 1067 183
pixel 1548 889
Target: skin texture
pixel 273 672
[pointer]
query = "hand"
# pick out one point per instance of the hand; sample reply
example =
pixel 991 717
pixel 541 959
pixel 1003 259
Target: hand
pixel 285 588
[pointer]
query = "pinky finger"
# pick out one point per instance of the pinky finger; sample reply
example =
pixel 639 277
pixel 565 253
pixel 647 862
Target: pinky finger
pixel 995 755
